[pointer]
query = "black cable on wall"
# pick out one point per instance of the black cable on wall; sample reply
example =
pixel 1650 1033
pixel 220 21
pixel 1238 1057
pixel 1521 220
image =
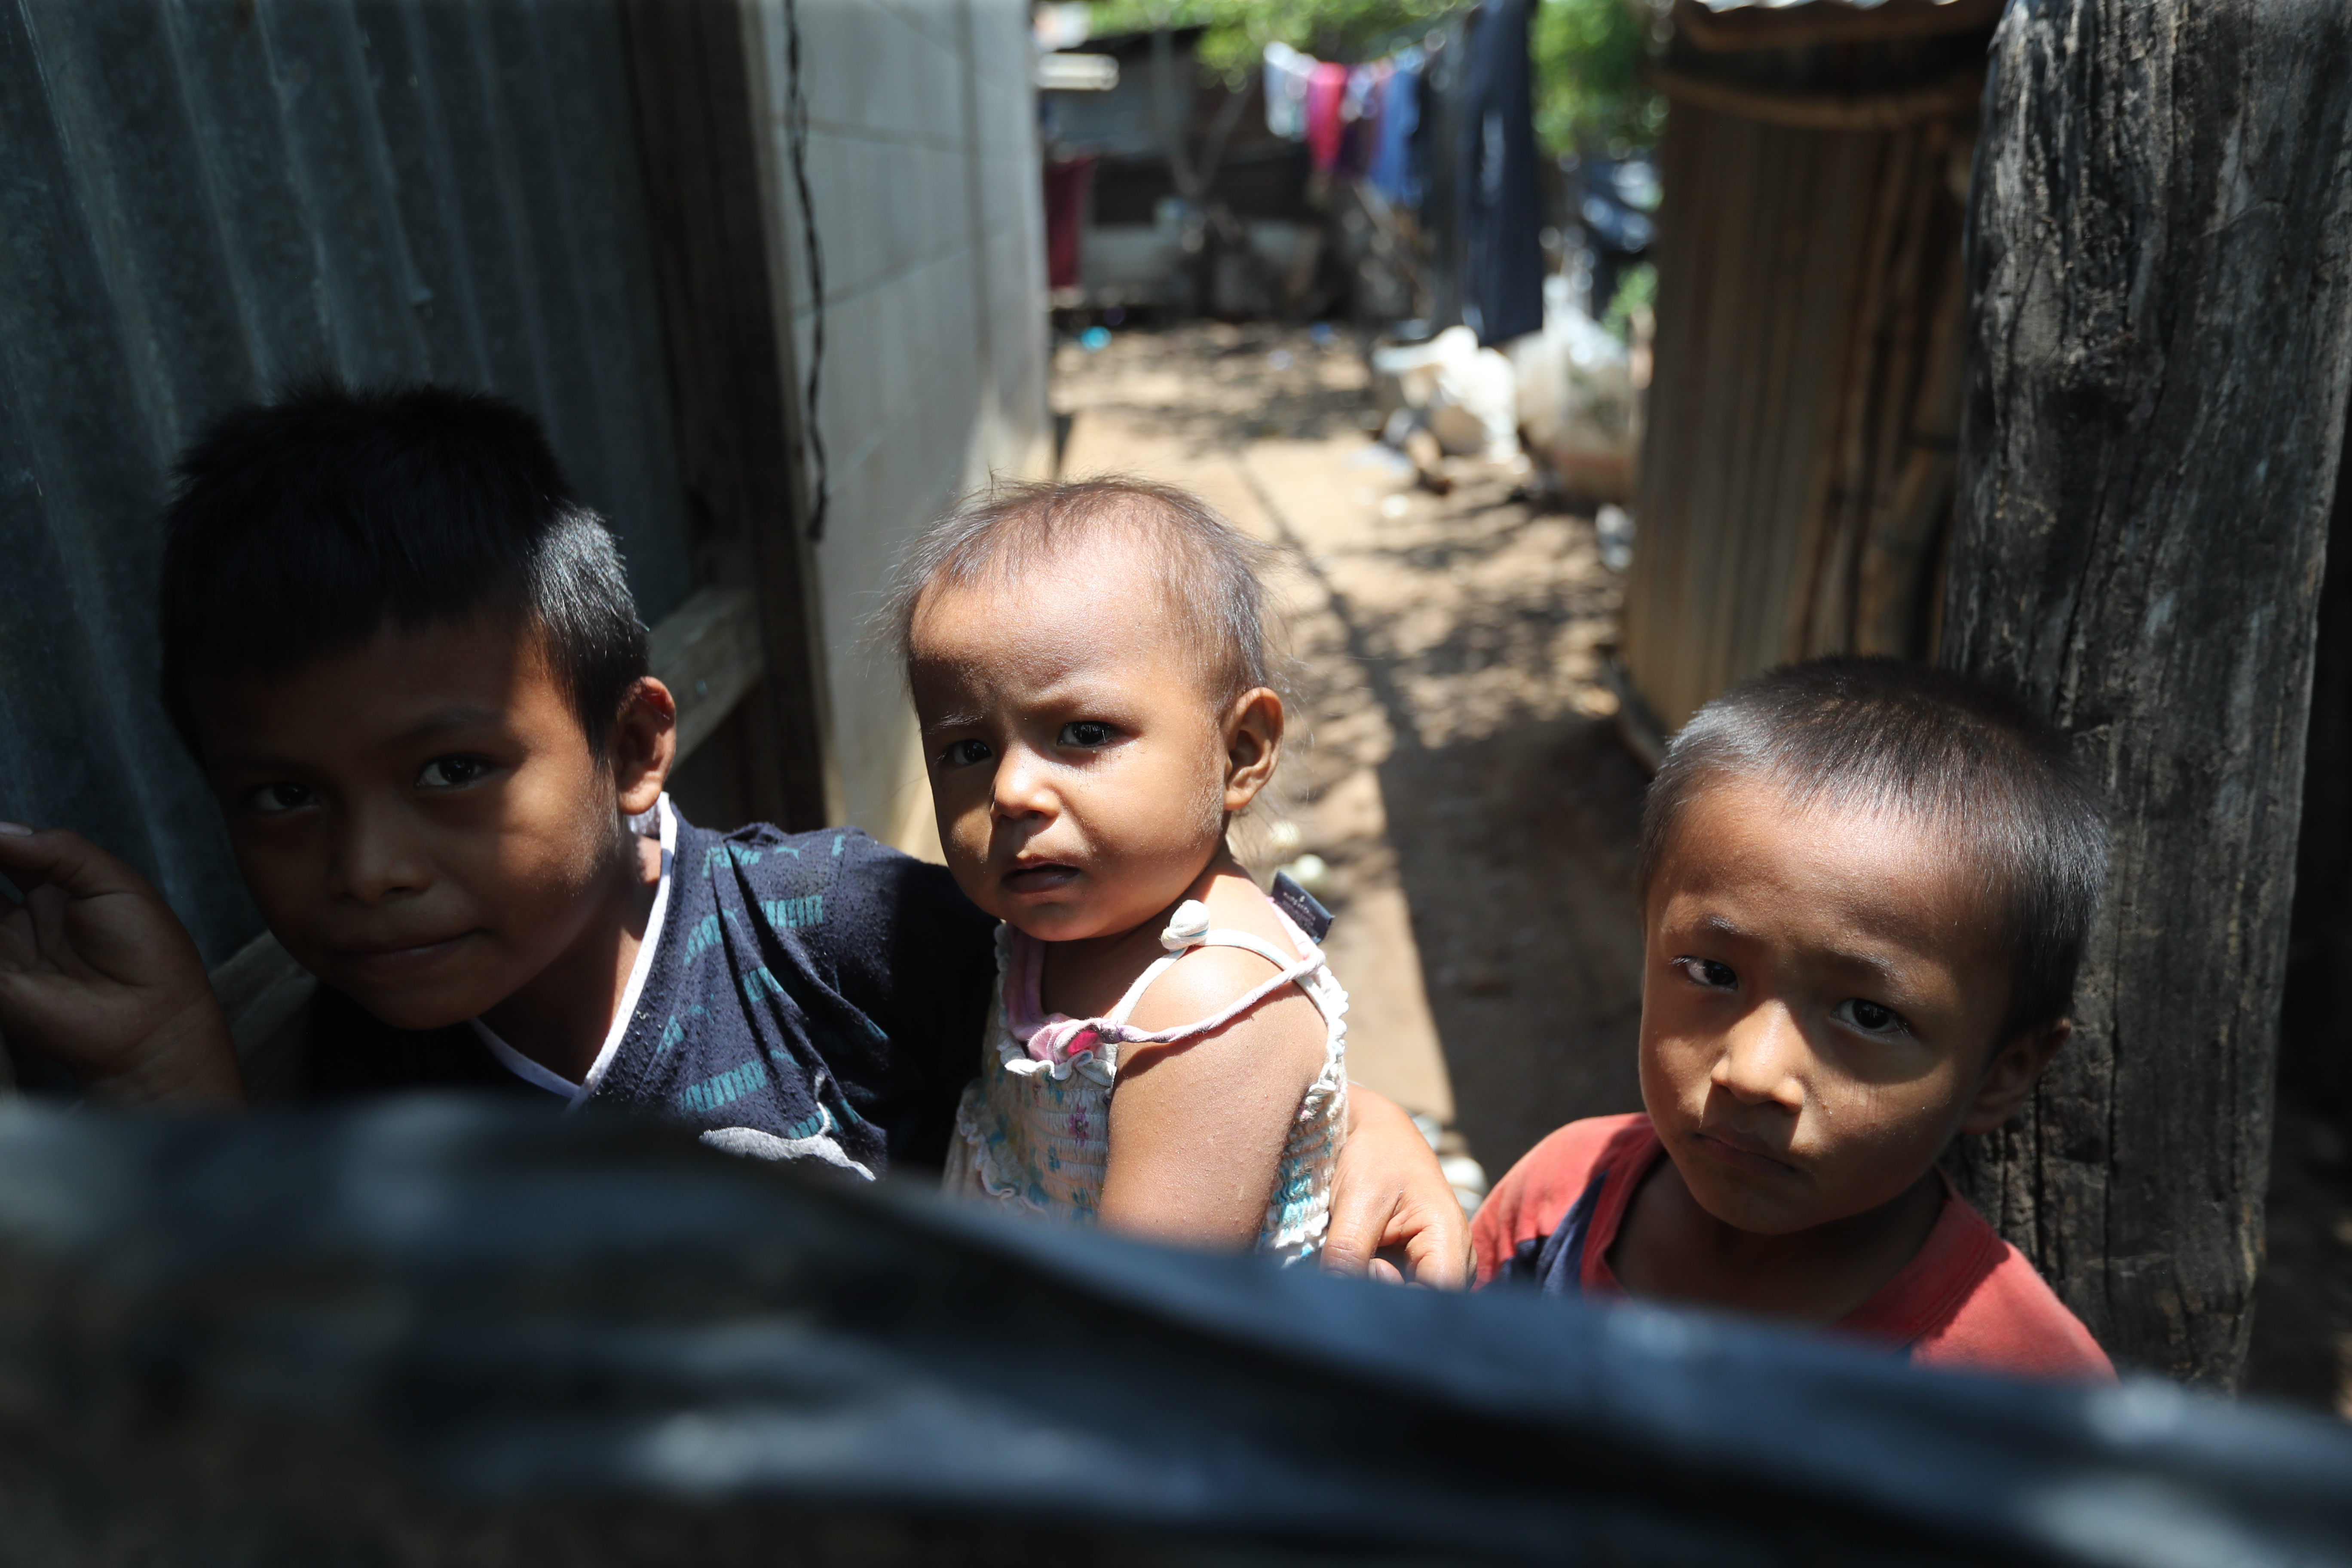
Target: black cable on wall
pixel 796 134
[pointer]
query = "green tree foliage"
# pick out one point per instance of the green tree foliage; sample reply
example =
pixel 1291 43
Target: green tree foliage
pixel 1588 62
pixel 1588 53
pixel 1636 291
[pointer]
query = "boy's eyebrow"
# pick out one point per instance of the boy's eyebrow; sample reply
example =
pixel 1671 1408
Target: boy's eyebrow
pixel 1715 924
pixel 1890 973
pixel 456 716
pixel 957 720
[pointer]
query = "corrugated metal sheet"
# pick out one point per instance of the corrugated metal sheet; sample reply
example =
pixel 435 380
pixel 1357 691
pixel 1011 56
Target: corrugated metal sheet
pixel 1796 471
pixel 202 198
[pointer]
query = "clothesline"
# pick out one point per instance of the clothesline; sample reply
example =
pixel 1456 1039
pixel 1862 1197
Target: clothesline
pixel 1357 120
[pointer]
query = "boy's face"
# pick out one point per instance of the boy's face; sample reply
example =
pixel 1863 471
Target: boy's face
pixel 1080 775
pixel 1822 998
pixel 421 820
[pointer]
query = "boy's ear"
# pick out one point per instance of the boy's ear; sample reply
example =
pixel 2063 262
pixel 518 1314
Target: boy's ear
pixel 1253 745
pixel 644 745
pixel 2011 1074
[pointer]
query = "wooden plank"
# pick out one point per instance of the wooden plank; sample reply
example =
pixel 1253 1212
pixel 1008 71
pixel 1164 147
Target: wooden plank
pixel 2160 326
pixel 732 375
pixel 710 653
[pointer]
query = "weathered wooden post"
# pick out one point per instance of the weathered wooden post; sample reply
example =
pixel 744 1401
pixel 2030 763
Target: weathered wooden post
pixel 2160 335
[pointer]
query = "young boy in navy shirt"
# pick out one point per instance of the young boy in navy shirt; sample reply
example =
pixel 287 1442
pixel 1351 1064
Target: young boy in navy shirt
pixel 407 660
pixel 1866 887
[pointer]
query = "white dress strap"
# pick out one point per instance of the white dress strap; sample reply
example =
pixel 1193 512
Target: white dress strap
pixel 1190 929
pixel 1241 939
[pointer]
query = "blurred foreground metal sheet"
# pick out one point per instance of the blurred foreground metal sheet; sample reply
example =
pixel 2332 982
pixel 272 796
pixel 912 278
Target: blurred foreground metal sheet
pixel 458 1332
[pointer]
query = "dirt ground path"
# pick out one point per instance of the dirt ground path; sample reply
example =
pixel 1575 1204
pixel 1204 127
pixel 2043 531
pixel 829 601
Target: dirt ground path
pixel 1461 776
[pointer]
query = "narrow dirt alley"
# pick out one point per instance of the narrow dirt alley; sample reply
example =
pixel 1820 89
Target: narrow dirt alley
pixel 1455 763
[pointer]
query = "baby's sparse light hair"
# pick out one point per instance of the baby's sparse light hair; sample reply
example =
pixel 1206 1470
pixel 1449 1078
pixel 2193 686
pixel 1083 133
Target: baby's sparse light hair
pixel 1209 568
pixel 1876 734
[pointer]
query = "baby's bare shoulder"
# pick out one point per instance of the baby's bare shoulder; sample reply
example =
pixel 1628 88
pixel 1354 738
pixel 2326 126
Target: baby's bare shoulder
pixel 1208 980
pixel 1203 984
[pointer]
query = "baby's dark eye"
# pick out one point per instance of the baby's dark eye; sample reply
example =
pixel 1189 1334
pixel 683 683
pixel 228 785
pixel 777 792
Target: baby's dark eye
pixel 276 799
pixel 964 753
pixel 451 773
pixel 1085 733
pixel 1870 1017
pixel 1707 971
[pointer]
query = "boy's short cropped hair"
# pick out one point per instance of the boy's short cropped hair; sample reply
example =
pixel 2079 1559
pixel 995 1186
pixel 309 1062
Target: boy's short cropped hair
pixel 1878 734
pixel 1210 570
pixel 304 526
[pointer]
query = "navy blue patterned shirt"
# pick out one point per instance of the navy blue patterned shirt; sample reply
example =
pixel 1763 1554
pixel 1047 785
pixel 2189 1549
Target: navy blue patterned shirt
pixel 811 994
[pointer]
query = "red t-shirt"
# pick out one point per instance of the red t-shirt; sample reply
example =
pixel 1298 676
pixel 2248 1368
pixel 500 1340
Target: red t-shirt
pixel 1969 1299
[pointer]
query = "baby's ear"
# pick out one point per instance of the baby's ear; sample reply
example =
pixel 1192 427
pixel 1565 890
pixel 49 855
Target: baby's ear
pixel 2008 1079
pixel 643 745
pixel 1253 745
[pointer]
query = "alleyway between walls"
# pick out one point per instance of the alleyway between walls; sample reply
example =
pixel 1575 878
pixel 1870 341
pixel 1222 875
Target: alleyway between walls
pixel 1454 762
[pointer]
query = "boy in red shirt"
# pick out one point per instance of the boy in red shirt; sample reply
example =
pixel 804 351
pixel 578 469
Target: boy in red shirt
pixel 1866 887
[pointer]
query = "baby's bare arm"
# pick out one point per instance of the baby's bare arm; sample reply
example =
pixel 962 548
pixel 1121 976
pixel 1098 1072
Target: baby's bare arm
pixel 96 972
pixel 1197 1128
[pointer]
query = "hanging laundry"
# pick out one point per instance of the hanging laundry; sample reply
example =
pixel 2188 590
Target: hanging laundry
pixel 1068 182
pixel 1327 89
pixel 1502 284
pixel 1286 74
pixel 1360 118
pixel 1392 171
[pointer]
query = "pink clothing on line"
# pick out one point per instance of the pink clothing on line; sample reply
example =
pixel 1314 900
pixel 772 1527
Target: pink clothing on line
pixel 1326 89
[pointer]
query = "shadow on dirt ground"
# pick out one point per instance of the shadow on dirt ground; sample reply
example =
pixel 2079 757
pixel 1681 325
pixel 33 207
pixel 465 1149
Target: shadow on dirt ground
pixel 1515 854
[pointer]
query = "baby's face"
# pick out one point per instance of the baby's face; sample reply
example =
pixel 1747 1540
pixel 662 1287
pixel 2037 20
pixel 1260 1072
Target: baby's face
pixel 422 819
pixel 1821 996
pixel 1078 769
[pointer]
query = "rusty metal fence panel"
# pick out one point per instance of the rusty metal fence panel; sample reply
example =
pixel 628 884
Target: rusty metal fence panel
pixel 1795 485
pixel 203 199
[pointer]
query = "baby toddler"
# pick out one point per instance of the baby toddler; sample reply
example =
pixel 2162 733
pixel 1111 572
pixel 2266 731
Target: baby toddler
pixel 1089 663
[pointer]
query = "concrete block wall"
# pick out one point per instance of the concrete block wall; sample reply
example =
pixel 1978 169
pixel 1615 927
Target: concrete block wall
pixel 923 173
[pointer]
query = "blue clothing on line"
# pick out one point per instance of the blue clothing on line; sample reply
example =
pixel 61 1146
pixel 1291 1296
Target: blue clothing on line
pixel 1498 183
pixel 1393 173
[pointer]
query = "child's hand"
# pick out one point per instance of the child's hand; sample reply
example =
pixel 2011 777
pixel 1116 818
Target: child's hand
pixel 96 972
pixel 1390 1192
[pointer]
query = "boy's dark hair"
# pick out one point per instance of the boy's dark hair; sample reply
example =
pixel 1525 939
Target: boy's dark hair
pixel 1210 570
pixel 1878 735
pixel 304 526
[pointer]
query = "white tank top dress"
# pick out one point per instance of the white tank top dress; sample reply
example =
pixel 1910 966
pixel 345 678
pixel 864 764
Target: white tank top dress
pixel 1033 1132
